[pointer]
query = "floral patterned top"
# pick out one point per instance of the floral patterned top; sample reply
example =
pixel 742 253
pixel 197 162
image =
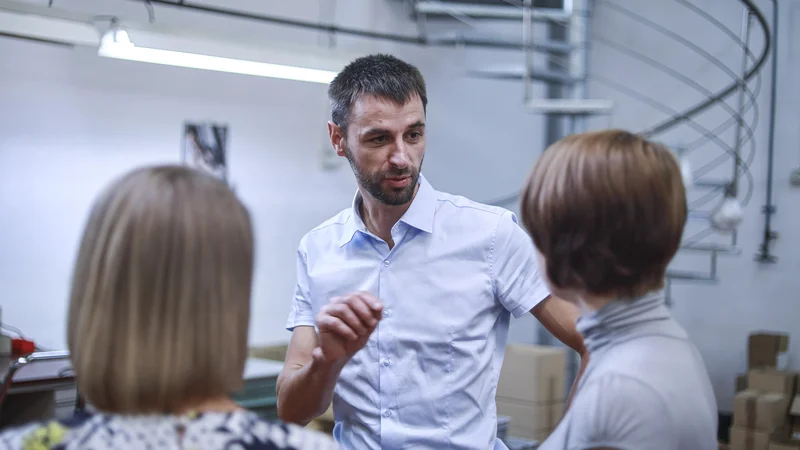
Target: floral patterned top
pixel 241 430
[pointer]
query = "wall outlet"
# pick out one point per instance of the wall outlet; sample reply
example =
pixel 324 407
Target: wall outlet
pixel 794 178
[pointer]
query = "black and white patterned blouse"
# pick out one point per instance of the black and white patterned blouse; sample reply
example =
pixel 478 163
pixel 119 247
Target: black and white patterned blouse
pixel 241 430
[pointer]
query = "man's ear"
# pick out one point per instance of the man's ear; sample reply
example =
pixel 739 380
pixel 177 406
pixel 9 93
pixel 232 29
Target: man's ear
pixel 337 138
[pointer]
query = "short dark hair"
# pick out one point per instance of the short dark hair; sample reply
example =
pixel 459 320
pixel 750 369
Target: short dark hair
pixel 380 75
pixel 607 211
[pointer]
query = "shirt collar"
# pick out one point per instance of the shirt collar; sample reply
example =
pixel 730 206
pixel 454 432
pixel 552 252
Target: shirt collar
pixel 419 214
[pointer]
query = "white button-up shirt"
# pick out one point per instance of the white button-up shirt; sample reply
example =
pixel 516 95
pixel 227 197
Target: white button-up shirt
pixel 427 377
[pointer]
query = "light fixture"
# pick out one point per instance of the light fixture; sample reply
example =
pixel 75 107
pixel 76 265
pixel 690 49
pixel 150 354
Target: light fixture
pixel 686 172
pixel 115 43
pixel 727 217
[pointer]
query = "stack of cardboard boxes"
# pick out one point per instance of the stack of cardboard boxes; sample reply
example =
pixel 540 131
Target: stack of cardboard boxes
pixel 765 402
pixel 531 389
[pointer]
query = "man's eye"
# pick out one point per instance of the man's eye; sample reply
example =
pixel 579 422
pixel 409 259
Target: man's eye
pixel 379 139
pixel 415 135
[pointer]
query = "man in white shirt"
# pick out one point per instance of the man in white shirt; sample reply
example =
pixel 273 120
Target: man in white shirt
pixel 403 301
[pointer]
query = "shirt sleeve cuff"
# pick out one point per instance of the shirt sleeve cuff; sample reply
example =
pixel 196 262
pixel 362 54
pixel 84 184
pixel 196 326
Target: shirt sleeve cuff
pixel 537 296
pixel 303 321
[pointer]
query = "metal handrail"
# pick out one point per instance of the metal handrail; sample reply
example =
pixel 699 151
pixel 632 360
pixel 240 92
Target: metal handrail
pixel 751 68
pixel 23 361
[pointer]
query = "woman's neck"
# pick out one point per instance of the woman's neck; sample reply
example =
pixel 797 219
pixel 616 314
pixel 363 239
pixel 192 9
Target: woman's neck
pixel 590 303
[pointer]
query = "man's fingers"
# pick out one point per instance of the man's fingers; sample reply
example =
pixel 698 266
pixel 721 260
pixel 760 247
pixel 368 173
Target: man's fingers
pixel 373 302
pixel 345 312
pixel 335 325
pixel 363 311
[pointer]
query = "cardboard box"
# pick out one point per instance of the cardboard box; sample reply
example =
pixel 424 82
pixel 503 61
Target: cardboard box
pixel 531 389
pixel 768 380
pixel 783 439
pixel 533 373
pixel 530 420
pixel 741 382
pixel 744 408
pixel 746 439
pixel 771 411
pixel 763 349
pixel 783 446
pixel 794 417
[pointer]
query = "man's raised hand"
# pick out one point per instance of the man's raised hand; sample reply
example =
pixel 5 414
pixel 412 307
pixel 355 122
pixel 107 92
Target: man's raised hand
pixel 345 324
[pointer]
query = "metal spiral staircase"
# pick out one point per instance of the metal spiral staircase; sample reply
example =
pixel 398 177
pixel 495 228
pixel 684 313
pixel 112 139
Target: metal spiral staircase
pixel 563 56
pixel 566 74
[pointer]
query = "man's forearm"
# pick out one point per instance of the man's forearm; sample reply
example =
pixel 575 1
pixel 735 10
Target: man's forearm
pixel 305 393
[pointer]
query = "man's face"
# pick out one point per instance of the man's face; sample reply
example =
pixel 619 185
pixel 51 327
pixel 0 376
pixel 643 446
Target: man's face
pixel 385 146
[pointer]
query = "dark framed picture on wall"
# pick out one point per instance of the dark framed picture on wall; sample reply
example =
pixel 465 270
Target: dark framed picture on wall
pixel 205 148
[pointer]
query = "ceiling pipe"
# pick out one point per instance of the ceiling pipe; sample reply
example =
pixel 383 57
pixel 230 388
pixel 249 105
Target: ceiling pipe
pixel 332 29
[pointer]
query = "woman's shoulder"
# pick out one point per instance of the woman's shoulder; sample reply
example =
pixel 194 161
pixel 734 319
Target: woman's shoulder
pixel 207 431
pixel 251 432
pixel 36 436
pixel 45 435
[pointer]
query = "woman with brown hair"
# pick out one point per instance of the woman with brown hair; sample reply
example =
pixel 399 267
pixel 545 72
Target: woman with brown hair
pixel 158 323
pixel 606 211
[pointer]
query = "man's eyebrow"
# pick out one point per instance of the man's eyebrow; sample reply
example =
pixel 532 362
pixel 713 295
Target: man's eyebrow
pixel 378 131
pixel 374 131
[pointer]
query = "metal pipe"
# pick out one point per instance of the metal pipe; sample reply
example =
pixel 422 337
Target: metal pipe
pixel 747 18
pixel 527 41
pixel 769 209
pixel 699 247
pixel 584 46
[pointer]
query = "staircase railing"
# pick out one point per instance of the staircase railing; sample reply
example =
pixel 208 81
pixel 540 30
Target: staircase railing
pixel 744 116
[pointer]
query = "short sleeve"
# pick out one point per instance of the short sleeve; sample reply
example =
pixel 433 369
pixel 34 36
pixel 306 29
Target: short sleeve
pixel 622 413
pixel 302 313
pixel 518 283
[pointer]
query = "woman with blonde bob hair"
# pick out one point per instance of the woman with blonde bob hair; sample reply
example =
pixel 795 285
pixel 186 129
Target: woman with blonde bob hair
pixel 606 211
pixel 158 323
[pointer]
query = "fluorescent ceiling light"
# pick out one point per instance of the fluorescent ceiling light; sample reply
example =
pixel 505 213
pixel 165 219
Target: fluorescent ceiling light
pixel 116 44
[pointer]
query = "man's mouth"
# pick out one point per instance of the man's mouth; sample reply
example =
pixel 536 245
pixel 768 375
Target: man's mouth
pixel 399 182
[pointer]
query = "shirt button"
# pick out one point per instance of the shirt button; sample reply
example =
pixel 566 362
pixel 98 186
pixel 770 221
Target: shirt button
pixel 385 362
pixel 387 313
pixel 387 413
pixel 386 264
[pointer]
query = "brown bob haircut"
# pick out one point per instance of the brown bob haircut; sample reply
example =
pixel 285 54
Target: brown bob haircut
pixel 160 301
pixel 607 210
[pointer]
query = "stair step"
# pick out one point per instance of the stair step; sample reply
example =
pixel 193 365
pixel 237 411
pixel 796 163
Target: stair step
pixel 517 72
pixel 570 106
pixel 487 40
pixel 483 11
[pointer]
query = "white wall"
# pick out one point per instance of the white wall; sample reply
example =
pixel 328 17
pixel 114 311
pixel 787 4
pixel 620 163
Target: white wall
pixel 749 295
pixel 70 122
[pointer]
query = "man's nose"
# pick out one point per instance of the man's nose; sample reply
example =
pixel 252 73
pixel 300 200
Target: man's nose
pixel 399 155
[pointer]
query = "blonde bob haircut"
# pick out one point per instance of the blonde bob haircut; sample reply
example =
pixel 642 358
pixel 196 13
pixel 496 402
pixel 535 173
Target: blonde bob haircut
pixel 160 301
pixel 606 210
